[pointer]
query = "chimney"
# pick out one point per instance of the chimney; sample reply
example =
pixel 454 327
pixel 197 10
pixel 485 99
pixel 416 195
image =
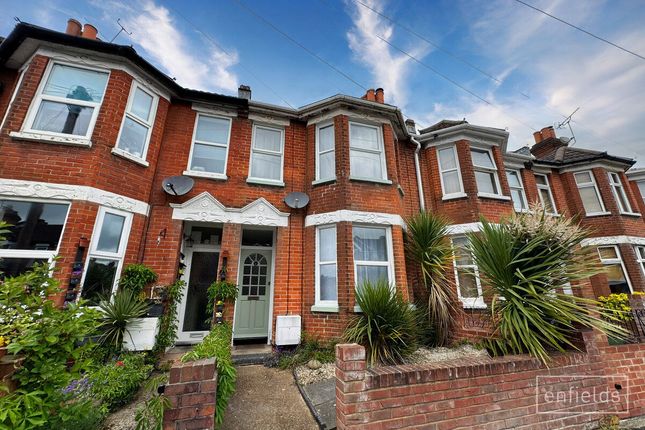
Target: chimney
pixel 369 95
pixel 411 126
pixel 73 27
pixel 547 143
pixel 379 96
pixel 548 133
pixel 244 92
pixel 537 136
pixel 89 31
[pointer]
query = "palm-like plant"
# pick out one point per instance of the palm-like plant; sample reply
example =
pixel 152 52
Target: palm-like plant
pixel 117 314
pixel 428 246
pixel 387 325
pixel 527 260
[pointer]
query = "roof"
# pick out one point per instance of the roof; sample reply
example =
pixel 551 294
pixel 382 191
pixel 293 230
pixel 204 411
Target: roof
pixel 23 31
pixel 565 155
pixel 444 123
pixel 525 150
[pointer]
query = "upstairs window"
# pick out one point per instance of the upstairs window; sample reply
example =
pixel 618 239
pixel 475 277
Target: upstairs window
pixel 451 184
pixel 485 172
pixel 544 193
pixel 640 257
pixel 266 155
pixel 326 273
pixel 615 269
pixel 366 153
pixel 325 153
pixel 68 102
pixel 619 193
pixel 35 231
pixel 641 187
pixel 137 122
pixel 209 152
pixel 372 254
pixel 469 286
pixel 589 193
pixel 518 195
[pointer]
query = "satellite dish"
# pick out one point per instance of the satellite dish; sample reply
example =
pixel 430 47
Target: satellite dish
pixel 565 139
pixel 177 185
pixel 296 200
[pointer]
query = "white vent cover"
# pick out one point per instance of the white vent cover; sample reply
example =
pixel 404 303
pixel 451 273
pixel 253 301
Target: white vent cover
pixel 287 330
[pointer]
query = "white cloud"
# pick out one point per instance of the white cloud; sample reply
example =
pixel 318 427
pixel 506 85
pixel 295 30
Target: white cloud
pixel 388 70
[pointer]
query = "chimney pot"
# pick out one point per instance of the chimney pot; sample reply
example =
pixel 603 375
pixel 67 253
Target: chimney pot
pixel 548 133
pixel 537 136
pixel 370 95
pixel 73 27
pixel 380 98
pixel 411 126
pixel 89 31
pixel 244 92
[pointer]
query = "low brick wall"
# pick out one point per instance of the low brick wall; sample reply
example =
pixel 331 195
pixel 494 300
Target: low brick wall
pixel 512 392
pixel 192 392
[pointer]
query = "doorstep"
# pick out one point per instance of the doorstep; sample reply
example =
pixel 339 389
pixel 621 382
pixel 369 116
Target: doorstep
pixel 251 354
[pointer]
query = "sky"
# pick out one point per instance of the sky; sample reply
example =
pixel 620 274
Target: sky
pixel 496 63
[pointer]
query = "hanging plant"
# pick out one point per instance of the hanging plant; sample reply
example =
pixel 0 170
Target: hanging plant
pixel 218 293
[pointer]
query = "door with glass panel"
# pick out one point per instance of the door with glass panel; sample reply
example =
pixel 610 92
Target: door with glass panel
pixel 252 307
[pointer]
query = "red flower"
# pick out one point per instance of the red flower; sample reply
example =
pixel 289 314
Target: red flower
pixel 119 363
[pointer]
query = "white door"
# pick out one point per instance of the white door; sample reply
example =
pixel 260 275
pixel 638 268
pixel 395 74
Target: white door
pixel 201 272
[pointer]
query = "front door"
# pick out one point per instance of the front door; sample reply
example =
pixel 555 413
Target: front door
pixel 194 322
pixel 252 307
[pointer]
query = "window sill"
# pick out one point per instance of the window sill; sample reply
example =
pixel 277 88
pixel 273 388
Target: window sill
pixel 206 175
pixel 374 180
pixel 634 214
pixel 493 196
pixel 325 308
pixel 124 154
pixel 48 138
pixel 594 214
pixel 357 309
pixel 454 196
pixel 324 181
pixel 261 181
pixel 473 304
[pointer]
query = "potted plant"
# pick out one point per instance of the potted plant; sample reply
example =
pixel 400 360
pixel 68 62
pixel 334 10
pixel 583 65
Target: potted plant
pixel 218 293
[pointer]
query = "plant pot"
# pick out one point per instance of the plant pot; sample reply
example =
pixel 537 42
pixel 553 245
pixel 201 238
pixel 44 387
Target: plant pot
pixel 141 334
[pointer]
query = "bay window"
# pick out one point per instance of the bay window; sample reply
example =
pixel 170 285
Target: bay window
pixel 326 269
pixel 209 150
pixel 373 255
pixel 485 172
pixel 266 155
pixel 518 195
pixel 589 193
pixel 35 229
pixel 450 176
pixel 469 287
pixel 366 153
pixel 615 269
pixel 137 122
pixel 641 187
pixel 544 193
pixel 325 153
pixel 640 257
pixel 68 101
pixel 619 193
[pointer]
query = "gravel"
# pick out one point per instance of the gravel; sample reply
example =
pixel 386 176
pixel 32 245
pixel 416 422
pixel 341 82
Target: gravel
pixel 306 376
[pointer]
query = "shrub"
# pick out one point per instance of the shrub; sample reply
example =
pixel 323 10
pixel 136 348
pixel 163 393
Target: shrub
pixel 220 291
pixel 616 306
pixel 168 321
pixel 528 259
pixel 117 381
pixel 428 246
pixel 149 415
pixel 311 348
pixel 218 344
pixel 386 326
pixel 122 310
pixel 136 277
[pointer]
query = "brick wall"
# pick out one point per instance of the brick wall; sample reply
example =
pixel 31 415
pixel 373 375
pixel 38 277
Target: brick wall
pixel 192 391
pixel 497 393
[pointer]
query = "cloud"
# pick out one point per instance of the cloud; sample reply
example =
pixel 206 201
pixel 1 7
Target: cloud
pixel 388 70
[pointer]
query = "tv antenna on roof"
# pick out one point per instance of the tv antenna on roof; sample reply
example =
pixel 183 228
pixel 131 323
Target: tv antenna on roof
pixel 567 122
pixel 129 33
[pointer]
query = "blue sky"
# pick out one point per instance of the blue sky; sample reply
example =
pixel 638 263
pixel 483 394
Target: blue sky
pixel 541 69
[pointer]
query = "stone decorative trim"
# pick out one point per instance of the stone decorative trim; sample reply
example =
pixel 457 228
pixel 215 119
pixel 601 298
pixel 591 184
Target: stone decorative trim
pixel 46 190
pixel 354 216
pixel 205 207
pixel 458 229
pixel 613 240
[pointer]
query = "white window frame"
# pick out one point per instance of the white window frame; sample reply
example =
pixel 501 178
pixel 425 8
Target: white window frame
pixel 641 188
pixel 380 151
pixel 525 203
pixel 618 190
pixel 149 124
pixel 457 168
pixel 467 302
pixel 390 253
pixel 640 256
pixel 595 187
pixel 547 187
pixel 617 260
pixel 319 127
pixel 34 253
pixel 486 169
pixel 265 181
pixel 115 256
pixel 39 97
pixel 211 175
pixel 325 305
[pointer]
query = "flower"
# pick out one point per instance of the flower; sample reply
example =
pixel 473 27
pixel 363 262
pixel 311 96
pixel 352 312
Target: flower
pixel 120 363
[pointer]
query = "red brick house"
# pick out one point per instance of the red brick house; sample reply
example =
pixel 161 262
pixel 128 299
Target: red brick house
pixel 90 131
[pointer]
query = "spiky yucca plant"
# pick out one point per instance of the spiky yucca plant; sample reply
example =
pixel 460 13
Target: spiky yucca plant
pixel 122 310
pixel 527 260
pixel 427 244
pixel 387 325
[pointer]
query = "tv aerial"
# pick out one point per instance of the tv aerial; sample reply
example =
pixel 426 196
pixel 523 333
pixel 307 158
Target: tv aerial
pixel 178 185
pixel 567 122
pixel 296 200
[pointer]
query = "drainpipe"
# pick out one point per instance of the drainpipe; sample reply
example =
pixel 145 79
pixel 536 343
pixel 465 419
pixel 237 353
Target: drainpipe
pixel 422 203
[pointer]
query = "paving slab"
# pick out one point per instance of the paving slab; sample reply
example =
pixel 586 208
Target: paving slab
pixel 267 398
pixel 321 396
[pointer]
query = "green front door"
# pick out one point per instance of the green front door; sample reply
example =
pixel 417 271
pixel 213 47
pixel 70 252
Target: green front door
pixel 252 307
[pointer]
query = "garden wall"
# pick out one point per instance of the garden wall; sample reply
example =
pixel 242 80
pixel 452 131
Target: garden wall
pixel 192 393
pixel 512 392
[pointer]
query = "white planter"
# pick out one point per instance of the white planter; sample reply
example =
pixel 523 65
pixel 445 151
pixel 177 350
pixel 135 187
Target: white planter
pixel 141 334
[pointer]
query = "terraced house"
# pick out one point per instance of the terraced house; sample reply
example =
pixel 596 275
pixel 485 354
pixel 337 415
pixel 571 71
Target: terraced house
pixel 91 132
